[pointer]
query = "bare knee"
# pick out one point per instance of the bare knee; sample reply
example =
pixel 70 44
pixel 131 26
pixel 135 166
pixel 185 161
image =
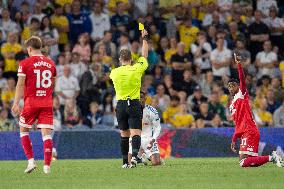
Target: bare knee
pixel 125 133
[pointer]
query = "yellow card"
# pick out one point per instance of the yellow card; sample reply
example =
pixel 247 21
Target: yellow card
pixel 141 26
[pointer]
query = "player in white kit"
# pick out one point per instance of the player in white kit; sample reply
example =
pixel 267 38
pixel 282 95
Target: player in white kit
pixel 151 129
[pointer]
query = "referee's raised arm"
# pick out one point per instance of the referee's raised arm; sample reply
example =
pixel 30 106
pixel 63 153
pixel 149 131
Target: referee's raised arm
pixel 127 84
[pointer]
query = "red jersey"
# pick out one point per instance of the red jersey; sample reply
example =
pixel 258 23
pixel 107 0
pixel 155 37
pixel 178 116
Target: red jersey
pixel 39 72
pixel 241 111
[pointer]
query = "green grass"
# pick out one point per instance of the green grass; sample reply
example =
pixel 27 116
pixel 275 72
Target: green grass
pixel 195 173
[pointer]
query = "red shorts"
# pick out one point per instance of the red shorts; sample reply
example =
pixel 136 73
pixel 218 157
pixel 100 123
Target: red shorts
pixel 249 143
pixel 43 115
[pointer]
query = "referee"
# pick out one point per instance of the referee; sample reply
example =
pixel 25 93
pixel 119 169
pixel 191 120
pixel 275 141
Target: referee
pixel 127 84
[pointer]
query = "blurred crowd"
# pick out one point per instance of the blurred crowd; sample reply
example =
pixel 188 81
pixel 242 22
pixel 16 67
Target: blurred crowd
pixel 191 44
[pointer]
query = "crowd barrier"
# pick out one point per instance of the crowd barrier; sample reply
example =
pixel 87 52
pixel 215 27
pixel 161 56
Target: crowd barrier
pixel 92 144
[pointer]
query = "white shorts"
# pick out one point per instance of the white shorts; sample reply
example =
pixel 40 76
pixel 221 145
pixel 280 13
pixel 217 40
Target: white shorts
pixel 144 144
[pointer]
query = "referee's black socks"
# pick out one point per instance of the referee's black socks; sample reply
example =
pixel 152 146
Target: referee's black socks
pixel 136 143
pixel 124 146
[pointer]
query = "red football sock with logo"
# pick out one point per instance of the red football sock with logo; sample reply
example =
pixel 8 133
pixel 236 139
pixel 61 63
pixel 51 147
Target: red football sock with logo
pixel 254 161
pixel 47 149
pixel 27 145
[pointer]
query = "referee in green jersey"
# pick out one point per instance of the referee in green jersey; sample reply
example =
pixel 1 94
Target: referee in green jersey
pixel 127 84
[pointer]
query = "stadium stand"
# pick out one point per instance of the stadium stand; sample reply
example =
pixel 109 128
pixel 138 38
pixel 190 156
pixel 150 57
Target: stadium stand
pixel 190 57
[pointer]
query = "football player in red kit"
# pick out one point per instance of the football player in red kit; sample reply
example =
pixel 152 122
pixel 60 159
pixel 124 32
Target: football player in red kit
pixel 245 126
pixel 36 76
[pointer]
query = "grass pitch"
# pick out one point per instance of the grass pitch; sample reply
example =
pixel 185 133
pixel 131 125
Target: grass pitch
pixel 195 173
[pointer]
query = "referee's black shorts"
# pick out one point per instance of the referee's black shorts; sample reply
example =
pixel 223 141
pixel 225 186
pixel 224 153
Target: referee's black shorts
pixel 129 114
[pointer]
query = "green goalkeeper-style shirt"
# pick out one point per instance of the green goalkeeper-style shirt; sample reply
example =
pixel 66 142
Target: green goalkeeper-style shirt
pixel 127 79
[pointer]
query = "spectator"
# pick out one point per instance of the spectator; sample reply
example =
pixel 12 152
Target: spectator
pixel 78 68
pixel 124 42
pixel 183 119
pixel 180 61
pixel 196 99
pixel 168 83
pixel 259 33
pixel 172 50
pixel 6 23
pixel 237 17
pixel 72 116
pixel 3 81
pixel 110 47
pixel 67 86
pixel 206 118
pixel 201 51
pixel 218 21
pixel 278 91
pixel 104 58
pixel 162 48
pixel 83 48
pixel 172 109
pixel 276 27
pixel 278 116
pixel 107 109
pixel 120 17
pixel 47 7
pixel 187 33
pixel 61 23
pixel 32 29
pixel 135 51
pixel 206 83
pixel 225 5
pixel 241 51
pixel 57 114
pixel 50 37
pixel 94 117
pixel 67 8
pixel 5 123
pixel 220 59
pixel 113 5
pixel 216 107
pixel 264 5
pixel 100 22
pixel 25 11
pixel 153 58
pixel 8 94
pixel 37 13
pixel 148 85
pixel 89 85
pixel 266 61
pixel 157 75
pixel 263 114
pixel 187 85
pixel 19 21
pixel 163 99
pixel 177 18
pixel 78 22
pixel 272 104
pixel 60 66
pixel 9 51
pixel 141 8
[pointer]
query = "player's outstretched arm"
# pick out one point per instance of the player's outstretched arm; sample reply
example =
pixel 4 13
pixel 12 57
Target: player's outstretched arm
pixel 241 73
pixel 18 94
pixel 145 47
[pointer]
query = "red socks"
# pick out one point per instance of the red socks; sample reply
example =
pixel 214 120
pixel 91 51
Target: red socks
pixel 47 149
pixel 27 145
pixel 254 161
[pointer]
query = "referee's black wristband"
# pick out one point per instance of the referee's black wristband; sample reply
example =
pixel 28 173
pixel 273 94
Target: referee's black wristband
pixel 145 38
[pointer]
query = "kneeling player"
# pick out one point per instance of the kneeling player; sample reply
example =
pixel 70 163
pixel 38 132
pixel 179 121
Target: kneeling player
pixel 246 128
pixel 150 131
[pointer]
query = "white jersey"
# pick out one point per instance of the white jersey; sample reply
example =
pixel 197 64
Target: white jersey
pixel 150 130
pixel 151 127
